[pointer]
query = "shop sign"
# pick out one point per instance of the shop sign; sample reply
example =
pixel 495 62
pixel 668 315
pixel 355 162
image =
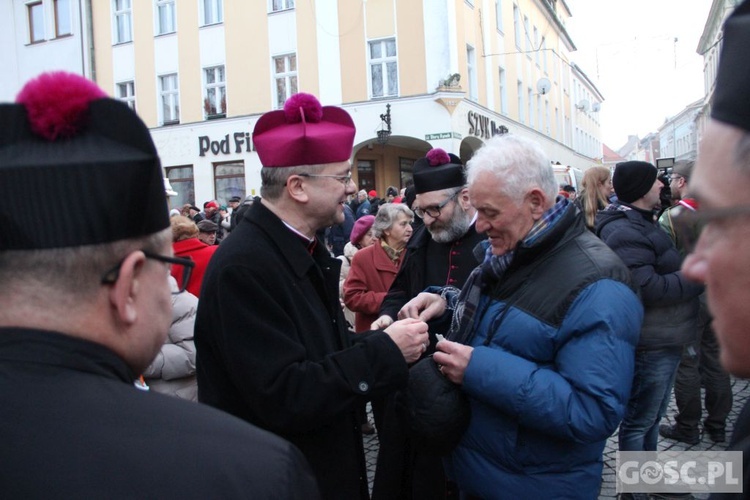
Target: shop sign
pixel 435 137
pixel 240 143
pixel 482 126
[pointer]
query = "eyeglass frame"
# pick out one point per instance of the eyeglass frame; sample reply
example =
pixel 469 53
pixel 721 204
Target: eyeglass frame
pixel 343 179
pixel 420 212
pixel 111 276
pixel 691 222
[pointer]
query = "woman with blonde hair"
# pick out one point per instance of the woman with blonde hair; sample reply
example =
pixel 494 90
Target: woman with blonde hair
pixel 597 188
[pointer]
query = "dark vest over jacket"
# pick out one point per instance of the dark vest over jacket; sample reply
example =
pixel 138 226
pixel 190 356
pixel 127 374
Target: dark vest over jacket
pixel 273 349
pixel 74 426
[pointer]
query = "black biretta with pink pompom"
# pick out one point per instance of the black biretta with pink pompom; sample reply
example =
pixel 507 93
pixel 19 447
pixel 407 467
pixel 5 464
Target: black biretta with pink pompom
pixel 438 170
pixel 67 143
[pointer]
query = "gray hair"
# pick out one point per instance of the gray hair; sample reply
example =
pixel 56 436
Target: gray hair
pixel 72 273
pixel 273 179
pixel 519 162
pixel 387 215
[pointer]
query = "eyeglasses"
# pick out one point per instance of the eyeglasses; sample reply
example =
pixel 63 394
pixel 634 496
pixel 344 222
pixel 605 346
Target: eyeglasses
pixel 434 210
pixel 343 179
pixel 689 223
pixel 675 177
pixel 185 265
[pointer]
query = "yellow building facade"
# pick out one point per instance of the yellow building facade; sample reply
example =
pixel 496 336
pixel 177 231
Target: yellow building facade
pixel 413 74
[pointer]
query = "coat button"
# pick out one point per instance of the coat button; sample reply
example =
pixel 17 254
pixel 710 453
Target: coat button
pixel 363 386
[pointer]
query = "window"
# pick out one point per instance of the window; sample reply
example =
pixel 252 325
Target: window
pixel 383 69
pixel 36 22
pixel 526 35
pixel 536 46
pixel 285 73
pixel 277 5
pixel 471 62
pixel 212 11
pixel 406 170
pixel 215 100
pixel 123 26
pixel 165 17
pixel 181 180
pixel 544 55
pixel 499 15
pixel 366 174
pixel 229 180
pixel 540 113
pixel 126 93
pixel 62 18
pixel 503 92
pixel 531 107
pixel 517 26
pixel 521 117
pixel 170 99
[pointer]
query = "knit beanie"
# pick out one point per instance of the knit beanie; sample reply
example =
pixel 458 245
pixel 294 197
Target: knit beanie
pixel 633 179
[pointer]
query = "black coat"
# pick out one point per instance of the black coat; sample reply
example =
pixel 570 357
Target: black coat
pixel 273 349
pixel 428 263
pixel 74 426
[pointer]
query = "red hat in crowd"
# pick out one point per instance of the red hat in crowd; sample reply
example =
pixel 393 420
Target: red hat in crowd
pixel 211 204
pixel 361 227
pixel 372 193
pixel 304 133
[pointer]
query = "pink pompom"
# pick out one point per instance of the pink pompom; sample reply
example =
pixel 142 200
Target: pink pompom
pixel 438 156
pixel 57 103
pixel 300 104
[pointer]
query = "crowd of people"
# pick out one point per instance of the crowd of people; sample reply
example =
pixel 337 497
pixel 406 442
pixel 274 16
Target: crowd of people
pixel 230 351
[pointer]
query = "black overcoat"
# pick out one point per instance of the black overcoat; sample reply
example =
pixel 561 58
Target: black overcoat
pixel 74 426
pixel 273 349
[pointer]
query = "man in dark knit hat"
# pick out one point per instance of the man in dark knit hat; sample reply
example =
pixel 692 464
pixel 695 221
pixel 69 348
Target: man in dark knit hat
pixel 270 332
pixel 439 253
pixel 628 226
pixel 85 308
pixel 720 183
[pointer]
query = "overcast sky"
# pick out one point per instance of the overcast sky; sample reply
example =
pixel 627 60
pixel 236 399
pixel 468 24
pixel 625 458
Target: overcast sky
pixel 628 49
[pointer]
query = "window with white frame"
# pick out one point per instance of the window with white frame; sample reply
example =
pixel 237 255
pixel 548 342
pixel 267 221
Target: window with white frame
pixel 277 5
pixel 166 21
pixel 530 102
pixel 123 21
pixel 539 112
pixel 62 18
pixel 170 99
pixel 499 15
pixel 383 68
pixel 126 93
pixel 519 90
pixel 536 46
pixel 527 35
pixel 517 25
pixel 471 62
pixel 503 92
pixel 544 55
pixel 181 180
pixel 285 74
pixel 35 13
pixel 212 11
pixel 215 95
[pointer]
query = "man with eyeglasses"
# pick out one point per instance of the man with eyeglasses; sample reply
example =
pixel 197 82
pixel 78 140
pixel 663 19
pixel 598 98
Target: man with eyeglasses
pixel 439 253
pixel 273 347
pixel 86 306
pixel 720 184
pixel 699 366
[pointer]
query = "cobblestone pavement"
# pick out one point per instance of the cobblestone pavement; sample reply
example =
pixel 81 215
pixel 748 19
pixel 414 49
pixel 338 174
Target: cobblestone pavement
pixel 740 389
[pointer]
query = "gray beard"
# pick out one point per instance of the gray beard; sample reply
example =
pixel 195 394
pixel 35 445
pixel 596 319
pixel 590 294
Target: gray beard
pixel 454 229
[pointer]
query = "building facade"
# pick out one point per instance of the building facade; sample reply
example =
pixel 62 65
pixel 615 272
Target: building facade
pixel 413 75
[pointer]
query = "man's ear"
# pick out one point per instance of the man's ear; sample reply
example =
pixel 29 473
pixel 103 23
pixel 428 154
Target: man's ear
pixel 295 186
pixel 463 198
pixel 536 201
pixel 125 290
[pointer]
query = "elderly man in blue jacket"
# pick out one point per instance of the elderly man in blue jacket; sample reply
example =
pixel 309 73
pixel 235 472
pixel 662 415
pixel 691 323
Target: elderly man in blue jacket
pixel 547 326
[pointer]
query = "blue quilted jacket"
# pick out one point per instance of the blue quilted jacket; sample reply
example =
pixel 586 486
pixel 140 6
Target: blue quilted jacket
pixel 549 379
